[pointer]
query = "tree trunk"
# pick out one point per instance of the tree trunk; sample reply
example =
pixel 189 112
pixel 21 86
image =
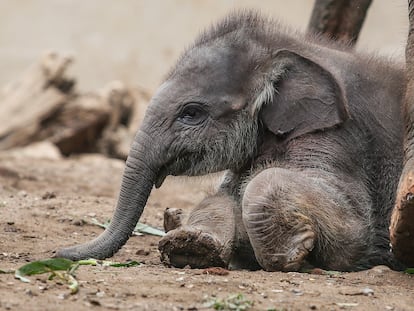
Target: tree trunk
pixel 339 20
pixel 402 220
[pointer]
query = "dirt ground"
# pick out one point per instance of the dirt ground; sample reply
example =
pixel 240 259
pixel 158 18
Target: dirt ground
pixel 45 201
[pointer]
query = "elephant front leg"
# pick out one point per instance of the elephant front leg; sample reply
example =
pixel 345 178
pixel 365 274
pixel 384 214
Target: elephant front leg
pixel 290 217
pixel 207 238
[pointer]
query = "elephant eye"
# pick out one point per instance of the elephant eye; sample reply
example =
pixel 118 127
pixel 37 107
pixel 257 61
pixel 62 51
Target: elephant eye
pixel 192 114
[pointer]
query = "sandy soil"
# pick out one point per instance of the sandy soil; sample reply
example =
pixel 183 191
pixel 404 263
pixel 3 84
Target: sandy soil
pixel 33 223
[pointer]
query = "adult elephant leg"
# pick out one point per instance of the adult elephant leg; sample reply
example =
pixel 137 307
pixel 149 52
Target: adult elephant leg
pixel 339 20
pixel 402 219
pixel 291 217
pixel 206 240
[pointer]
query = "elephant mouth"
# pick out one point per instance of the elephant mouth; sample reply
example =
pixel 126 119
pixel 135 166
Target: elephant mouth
pixel 180 165
pixel 162 174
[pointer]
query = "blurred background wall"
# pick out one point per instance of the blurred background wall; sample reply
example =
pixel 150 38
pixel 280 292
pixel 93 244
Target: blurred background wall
pixel 136 41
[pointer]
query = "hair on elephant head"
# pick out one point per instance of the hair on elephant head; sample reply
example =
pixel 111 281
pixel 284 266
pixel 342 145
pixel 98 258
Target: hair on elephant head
pixel 242 77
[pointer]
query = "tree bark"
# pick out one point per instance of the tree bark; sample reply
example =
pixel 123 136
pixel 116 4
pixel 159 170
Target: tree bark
pixel 339 20
pixel 402 219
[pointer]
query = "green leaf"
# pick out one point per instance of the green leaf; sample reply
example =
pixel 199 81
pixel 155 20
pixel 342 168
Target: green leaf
pixel 107 263
pixel 409 270
pixel 125 264
pixel 18 275
pixel 235 302
pixel 72 284
pixel 54 265
pixel 143 228
pixel 320 271
pixel 44 266
pixel 140 228
pixel 88 262
pixel 103 225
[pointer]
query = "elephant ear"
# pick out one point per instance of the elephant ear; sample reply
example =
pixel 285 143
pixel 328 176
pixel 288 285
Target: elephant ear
pixel 300 97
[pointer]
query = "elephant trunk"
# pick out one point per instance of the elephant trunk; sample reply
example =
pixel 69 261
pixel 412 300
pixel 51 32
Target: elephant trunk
pixel 137 182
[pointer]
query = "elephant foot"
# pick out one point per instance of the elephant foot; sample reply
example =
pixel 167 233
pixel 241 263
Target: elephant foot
pixel 282 251
pixel 195 248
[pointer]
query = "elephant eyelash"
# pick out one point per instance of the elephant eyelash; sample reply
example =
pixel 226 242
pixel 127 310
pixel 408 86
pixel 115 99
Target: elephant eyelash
pixel 192 114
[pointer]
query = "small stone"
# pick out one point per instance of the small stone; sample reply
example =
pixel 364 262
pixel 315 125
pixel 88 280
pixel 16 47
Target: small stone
pixel 48 195
pixel 30 293
pixel 142 252
pixel 179 272
pixel 216 271
pixel 317 271
pixel 78 222
pixel 367 291
pixel 277 290
pixel 380 269
pixel 62 296
pixel 22 193
pixel 297 291
pixel 94 302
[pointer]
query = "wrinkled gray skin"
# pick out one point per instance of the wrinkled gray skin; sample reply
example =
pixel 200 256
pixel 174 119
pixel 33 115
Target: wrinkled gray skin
pixel 310 135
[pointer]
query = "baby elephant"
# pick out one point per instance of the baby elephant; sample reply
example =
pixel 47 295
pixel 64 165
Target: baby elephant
pixel 310 134
pixel 315 152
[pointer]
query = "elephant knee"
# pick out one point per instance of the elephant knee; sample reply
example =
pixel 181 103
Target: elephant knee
pixel 280 233
pixel 271 183
pixel 267 191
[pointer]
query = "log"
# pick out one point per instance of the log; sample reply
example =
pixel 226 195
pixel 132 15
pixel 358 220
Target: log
pixel 44 105
pixel 76 127
pixel 26 103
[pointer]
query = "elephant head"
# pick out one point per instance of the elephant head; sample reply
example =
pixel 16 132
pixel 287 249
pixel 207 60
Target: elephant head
pixel 210 112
